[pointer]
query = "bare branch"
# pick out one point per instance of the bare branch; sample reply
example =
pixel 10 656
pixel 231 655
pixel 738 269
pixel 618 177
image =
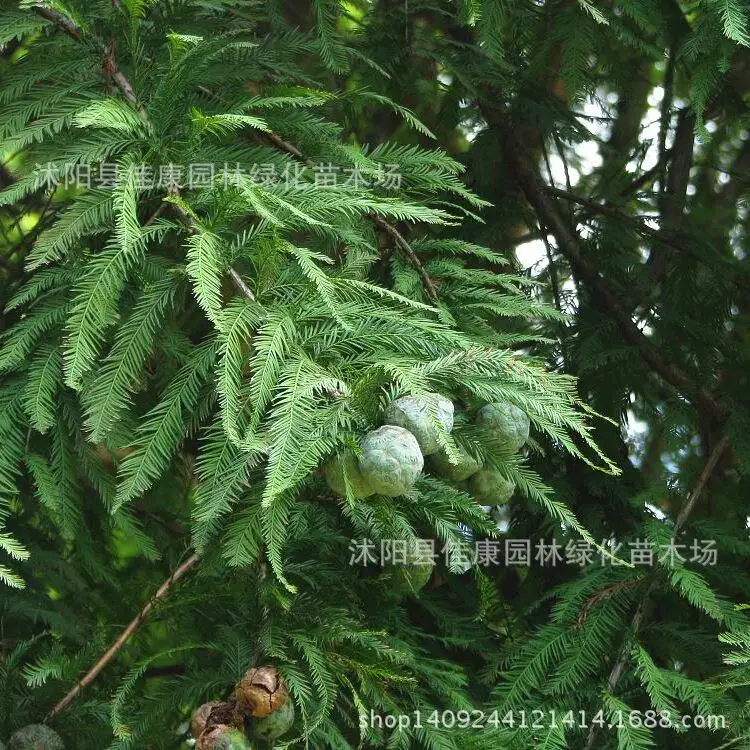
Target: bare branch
pixel 290 148
pixel 700 486
pixel 241 285
pixel 65 23
pixel 674 196
pixel 114 649
pixel 110 66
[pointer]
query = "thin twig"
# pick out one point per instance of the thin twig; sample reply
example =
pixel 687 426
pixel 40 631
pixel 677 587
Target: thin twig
pixel 602 594
pixel 398 239
pixel 154 216
pixel 703 480
pixel 264 609
pixel 644 179
pixel 290 148
pixel 666 118
pixel 733 742
pixel 401 242
pixel 188 220
pixel 113 650
pixel 241 285
pixel 382 224
pixel 673 195
pixel 640 613
pixel 75 32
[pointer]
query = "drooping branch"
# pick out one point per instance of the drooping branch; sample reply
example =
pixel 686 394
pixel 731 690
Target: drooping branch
pixel 122 639
pixel 124 85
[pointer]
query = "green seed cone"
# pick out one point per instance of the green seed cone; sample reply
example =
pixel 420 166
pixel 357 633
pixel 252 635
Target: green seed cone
pixel 334 473
pixel 414 414
pixel 490 487
pixel 272 727
pixel 441 465
pixel 508 423
pixel 391 460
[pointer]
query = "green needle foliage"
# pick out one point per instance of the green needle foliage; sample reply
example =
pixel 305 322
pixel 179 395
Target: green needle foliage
pixel 231 232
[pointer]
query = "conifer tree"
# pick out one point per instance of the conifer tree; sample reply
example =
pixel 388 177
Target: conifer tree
pixel 263 318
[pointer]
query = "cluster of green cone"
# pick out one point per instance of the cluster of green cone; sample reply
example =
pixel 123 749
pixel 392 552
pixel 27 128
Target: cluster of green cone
pixel 392 457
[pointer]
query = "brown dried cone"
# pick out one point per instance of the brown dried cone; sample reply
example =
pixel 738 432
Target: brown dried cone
pixel 213 714
pixel 222 737
pixel 200 718
pixel 261 691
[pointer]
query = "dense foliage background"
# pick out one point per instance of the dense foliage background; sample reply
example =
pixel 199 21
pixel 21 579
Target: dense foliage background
pixel 567 232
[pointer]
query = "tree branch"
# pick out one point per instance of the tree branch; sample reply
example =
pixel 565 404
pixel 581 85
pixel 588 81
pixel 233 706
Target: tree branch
pixel 122 83
pixel 700 486
pixel 604 209
pixel 398 239
pixel 674 192
pixel 188 220
pixel 733 742
pixel 57 18
pixel 73 31
pixel 113 650
pixel 289 148
pixel 648 176
pixel 239 282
